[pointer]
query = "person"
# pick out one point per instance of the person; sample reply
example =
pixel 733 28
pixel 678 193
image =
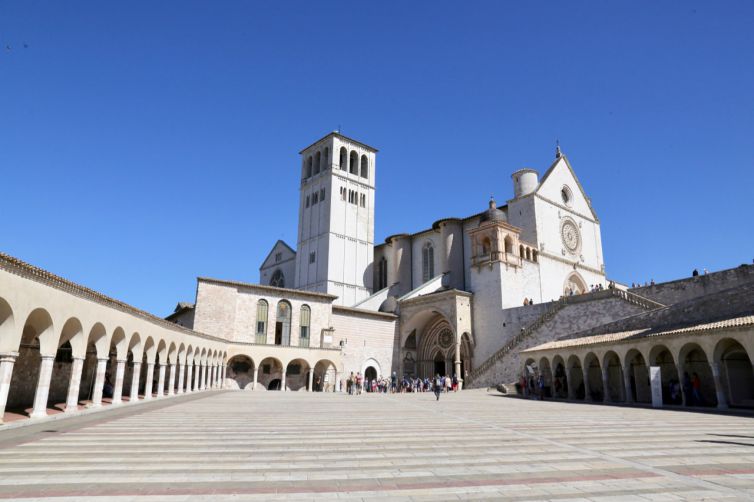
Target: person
pixel 696 385
pixel 695 273
pixel 558 387
pixel 455 382
pixel 393 382
pixel 438 386
pixel 675 391
pixel 522 385
pixel 541 387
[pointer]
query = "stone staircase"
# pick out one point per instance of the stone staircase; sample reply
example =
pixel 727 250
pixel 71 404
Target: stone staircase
pixel 557 306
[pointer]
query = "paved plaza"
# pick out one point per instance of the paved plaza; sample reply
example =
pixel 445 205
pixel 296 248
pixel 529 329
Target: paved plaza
pixel 470 445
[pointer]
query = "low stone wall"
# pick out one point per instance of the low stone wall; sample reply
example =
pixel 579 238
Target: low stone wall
pixel 672 292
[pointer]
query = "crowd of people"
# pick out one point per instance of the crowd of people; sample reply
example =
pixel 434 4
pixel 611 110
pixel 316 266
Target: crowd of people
pixel 356 383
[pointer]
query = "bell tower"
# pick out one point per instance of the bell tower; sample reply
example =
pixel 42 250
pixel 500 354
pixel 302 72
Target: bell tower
pixel 335 251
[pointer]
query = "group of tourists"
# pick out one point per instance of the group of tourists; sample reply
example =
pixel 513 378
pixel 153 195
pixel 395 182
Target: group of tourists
pixel 356 384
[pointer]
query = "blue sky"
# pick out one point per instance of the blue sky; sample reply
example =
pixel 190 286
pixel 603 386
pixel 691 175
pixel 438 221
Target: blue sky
pixel 146 143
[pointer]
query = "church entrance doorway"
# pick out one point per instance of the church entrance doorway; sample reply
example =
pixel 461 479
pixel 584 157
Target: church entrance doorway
pixel 439 365
pixel 370 375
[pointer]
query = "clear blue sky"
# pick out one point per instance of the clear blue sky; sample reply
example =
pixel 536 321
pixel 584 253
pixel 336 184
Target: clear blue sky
pixel 145 143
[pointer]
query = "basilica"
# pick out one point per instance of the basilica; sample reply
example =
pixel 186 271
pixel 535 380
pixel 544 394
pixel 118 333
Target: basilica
pixel 514 291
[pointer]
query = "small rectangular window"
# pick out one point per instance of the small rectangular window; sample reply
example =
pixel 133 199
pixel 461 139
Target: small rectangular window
pixel 278 257
pixel 342 193
pixel 307 201
pixel 314 198
pixel 312 257
pixel 322 194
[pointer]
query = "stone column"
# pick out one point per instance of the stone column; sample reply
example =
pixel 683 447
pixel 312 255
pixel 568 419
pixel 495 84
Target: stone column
pixel 457 363
pixel 206 377
pixel 222 376
pixel 149 383
pixel 189 377
pixel 627 387
pixel 571 388
pixel 605 388
pixel 43 387
pixel 336 385
pixel 72 399
pixel 200 373
pixel 256 378
pixel 99 382
pixel 118 390
pixel 171 380
pixel 311 380
pixel 722 401
pixel 181 371
pixel 161 381
pixel 587 392
pixel 282 382
pixel 213 377
pixel 7 360
pixel 135 374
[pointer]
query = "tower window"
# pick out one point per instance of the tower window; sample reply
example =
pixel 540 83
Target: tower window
pixel 343 158
pixel 326 159
pixel 565 194
pixel 364 167
pixel 315 198
pixel 322 194
pixel 353 164
pixel 312 257
pixel 307 201
pixel 309 167
pixel 363 200
pixel 317 159
pixel 278 257
pixel 343 193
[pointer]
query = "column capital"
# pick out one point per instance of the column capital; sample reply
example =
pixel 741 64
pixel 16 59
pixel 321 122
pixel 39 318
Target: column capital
pixel 47 358
pixel 78 358
pixel 6 357
pixel 103 359
pixel 121 361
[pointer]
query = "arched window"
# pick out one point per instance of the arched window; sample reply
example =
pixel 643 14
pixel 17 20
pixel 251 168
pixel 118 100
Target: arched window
pixel 326 159
pixel 508 245
pixel 283 323
pixel 317 159
pixel 364 167
pixel 353 164
pixel 428 262
pixel 261 335
pixel 521 252
pixel 309 167
pixel 486 247
pixel 343 158
pixel 303 339
pixel 278 279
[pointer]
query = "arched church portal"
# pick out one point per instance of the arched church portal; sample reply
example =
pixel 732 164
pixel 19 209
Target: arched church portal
pixel 436 350
pixel 574 284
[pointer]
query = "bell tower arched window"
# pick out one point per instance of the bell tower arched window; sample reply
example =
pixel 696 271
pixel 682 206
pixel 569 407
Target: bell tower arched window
pixel 364 167
pixel 428 262
pixel 343 159
pixel 317 160
pixel 353 164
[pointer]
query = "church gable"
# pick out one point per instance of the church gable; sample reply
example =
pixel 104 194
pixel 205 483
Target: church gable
pixel 561 186
pixel 281 253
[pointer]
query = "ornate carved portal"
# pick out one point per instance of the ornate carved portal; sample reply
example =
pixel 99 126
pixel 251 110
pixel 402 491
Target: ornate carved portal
pixel 432 350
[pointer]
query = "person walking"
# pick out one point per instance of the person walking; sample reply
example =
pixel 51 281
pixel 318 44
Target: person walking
pixel 438 386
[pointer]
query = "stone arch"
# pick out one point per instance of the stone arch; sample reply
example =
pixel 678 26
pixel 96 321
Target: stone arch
pixel 437 337
pixel 660 355
pixel 353 162
pixel 364 167
pixel 325 375
pixel 73 333
pixel 270 372
pixel 240 372
pixel 576 385
pixel 615 391
pixel 699 387
pixel 735 372
pixel 8 336
pixel 594 387
pixel 317 162
pixel 297 374
pixel 27 368
pixel 574 284
pixel 638 377
pixel 545 371
pixel 560 377
pixel 343 160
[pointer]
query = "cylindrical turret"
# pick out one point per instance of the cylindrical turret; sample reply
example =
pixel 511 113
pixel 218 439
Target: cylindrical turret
pixel 401 266
pixel 525 181
pixel 451 254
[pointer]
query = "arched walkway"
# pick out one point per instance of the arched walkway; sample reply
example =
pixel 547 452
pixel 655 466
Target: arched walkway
pixel 325 376
pixel 594 387
pixel 638 377
pixel 240 373
pixel 297 375
pixel 576 387
pixel 671 388
pixel 736 374
pixel 270 369
pixel 698 381
pixel 560 380
pixel 546 372
pixel 615 390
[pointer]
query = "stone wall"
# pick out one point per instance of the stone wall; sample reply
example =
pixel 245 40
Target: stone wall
pixel 368 338
pixel 572 317
pixel 672 292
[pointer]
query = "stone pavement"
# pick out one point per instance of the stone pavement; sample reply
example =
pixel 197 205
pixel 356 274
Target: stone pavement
pixel 296 445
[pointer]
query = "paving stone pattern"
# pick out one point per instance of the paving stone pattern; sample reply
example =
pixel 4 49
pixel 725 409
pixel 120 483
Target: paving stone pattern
pixel 296 445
